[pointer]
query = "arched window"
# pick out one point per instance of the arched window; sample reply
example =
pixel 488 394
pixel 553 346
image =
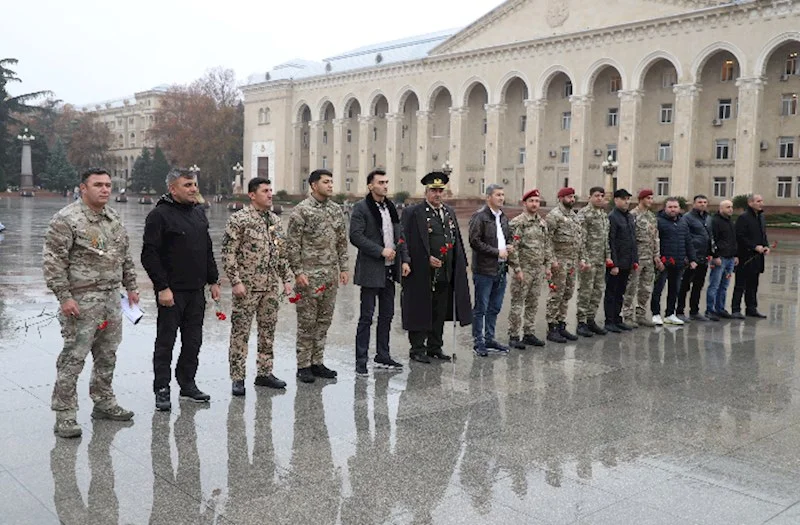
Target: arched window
pixel 266 115
pixel 349 136
pixel 261 116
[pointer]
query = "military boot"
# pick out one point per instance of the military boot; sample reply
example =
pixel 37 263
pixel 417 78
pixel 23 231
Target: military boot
pixel 532 340
pixel 514 342
pixel 584 330
pixel 562 329
pixel 596 328
pixel 554 335
pixel 644 321
pixel 114 413
pixel 67 427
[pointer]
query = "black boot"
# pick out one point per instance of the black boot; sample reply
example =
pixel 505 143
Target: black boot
pixel 584 330
pixel 532 340
pixel 554 335
pixel 596 328
pixel 514 342
pixel 562 329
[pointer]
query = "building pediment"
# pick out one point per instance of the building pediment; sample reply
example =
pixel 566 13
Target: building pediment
pixel 523 20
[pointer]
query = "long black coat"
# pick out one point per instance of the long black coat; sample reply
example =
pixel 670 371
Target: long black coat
pixel 622 239
pixel 416 297
pixel 751 231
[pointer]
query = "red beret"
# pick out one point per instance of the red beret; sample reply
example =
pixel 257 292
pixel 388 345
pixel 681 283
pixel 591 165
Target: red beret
pixel 532 193
pixel 645 193
pixel 563 192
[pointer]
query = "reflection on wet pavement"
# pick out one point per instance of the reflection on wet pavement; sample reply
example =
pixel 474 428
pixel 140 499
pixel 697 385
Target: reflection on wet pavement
pixel 685 425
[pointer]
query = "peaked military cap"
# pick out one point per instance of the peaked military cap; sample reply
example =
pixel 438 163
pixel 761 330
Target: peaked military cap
pixel 435 180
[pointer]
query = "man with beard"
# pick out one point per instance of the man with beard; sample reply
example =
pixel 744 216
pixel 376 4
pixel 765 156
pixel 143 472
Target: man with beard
pixel 591 283
pixel 640 283
pixel 753 246
pixel 677 250
pixel 694 279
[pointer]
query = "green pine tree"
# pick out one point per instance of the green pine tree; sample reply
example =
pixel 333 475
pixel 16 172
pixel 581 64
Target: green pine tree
pixel 159 171
pixel 59 173
pixel 141 177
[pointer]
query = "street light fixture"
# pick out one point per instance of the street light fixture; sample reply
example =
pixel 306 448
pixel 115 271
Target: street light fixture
pixel 26 168
pixel 610 167
pixel 194 169
pixel 447 168
pixel 26 137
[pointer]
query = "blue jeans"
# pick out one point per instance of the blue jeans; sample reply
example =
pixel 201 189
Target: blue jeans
pixel 718 286
pixel 489 291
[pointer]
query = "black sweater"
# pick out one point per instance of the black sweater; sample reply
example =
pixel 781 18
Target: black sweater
pixel 724 232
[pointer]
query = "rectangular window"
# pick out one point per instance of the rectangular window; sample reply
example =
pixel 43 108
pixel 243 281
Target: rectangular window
pixel 483 186
pixel 798 186
pixel 662 186
pixel 616 84
pixel 347 162
pixel 305 139
pixel 666 113
pixel 724 109
pixel 789 104
pixel 669 79
pixel 324 162
pixel 403 131
pixel 567 89
pixel 613 117
pixel 566 120
pixel 722 149
pixel 727 71
pixel 485 128
pixel 786 147
pixel 483 159
pixel 611 151
pixel 785 187
pixel 402 159
pixel 733 191
pixel 374 134
pixel 521 159
pixel 349 136
pixel 324 137
pixel 720 186
pixel 374 160
pixel 523 123
pixel 665 152
pixel 791 64
pixel 564 154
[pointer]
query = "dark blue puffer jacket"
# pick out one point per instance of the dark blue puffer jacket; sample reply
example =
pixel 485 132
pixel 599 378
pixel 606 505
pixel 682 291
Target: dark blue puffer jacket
pixel 676 241
pixel 700 230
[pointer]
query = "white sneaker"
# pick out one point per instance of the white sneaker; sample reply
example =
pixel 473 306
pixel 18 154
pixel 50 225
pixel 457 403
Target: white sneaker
pixel 673 319
pixel 657 320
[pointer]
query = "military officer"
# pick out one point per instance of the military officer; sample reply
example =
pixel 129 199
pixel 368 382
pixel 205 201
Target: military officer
pixel 86 258
pixel 591 283
pixel 316 245
pixel 254 259
pixel 529 262
pixel 640 284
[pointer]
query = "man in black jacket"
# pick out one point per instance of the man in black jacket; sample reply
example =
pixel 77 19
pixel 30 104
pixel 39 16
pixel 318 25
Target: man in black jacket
pixel 699 224
pixel 177 255
pixel 752 244
pixel 677 251
pixel 624 258
pixel 723 261
pixel 491 242
pixel 382 258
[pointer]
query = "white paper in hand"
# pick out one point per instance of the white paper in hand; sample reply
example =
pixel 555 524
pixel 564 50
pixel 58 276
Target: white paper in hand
pixel 133 313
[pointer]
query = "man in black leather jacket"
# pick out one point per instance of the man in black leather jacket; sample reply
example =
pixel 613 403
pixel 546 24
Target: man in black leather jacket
pixel 624 258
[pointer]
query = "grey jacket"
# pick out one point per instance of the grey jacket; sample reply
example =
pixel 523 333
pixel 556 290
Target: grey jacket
pixel 366 235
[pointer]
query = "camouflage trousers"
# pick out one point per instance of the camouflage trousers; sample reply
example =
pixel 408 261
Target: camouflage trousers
pixel 98 329
pixel 591 285
pixel 524 302
pixel 314 316
pixel 558 299
pixel 638 292
pixel 264 306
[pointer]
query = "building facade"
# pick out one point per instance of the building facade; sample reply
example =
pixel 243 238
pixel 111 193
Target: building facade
pixel 688 96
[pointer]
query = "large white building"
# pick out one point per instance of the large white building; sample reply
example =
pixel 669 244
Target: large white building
pixel 690 96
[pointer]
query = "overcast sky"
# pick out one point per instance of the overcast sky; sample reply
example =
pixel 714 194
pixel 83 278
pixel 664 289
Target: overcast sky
pixel 89 51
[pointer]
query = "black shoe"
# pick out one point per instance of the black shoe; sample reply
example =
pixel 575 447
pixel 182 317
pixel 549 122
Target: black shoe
pixel 420 357
pixel 596 328
pixel 438 354
pixel 566 334
pixel 323 372
pixel 387 363
pixel 270 381
pixel 554 335
pixel 625 327
pixel 162 399
pixel 700 318
pixel 584 330
pixel 755 313
pixel 723 314
pixel 494 345
pixel 193 393
pixel 361 370
pixel 712 316
pixel 737 315
pixel 613 327
pixel 305 375
pixel 480 351
pixel 514 342
pixel 531 340
pixel 237 388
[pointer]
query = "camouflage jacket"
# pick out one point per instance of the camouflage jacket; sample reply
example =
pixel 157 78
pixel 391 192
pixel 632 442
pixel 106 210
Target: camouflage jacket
pixel 532 250
pixel 254 250
pixel 647 240
pixel 566 233
pixel 316 241
pixel 86 251
pixel 595 234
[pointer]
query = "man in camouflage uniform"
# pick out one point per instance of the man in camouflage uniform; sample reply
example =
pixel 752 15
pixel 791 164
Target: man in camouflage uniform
pixel 566 239
pixel 316 246
pixel 86 258
pixel 591 283
pixel 529 262
pixel 640 284
pixel 254 260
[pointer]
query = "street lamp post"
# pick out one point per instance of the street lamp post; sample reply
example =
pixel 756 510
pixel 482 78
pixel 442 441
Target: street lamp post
pixel 26 170
pixel 447 168
pixel 238 183
pixel 609 168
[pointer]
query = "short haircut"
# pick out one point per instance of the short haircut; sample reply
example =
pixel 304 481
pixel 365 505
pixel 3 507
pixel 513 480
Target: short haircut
pixel 93 171
pixel 176 173
pixel 751 197
pixel 595 189
pixel 318 174
pixel 255 182
pixel 491 187
pixel 672 199
pixel 376 171
pixel 699 196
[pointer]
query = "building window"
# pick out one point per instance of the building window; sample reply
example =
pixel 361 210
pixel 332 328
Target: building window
pixel 483 159
pixel 347 162
pixel 720 187
pixel 324 137
pixel 483 186
pixel 349 136
pixel 566 120
pixel 402 159
pixel 261 116
pixel 665 152
pixel 374 134
pixel 616 84
pixel 403 131
pixel 662 186
pixel 722 149
pixel 724 109
pixel 266 115
pixel 523 123
pixel 350 113
pixel 485 127
pixel 133 140
pixel 347 185
pixel 791 64
pixel 564 154
pixel 789 104
pixel 666 113
pixel 374 160
pixel 131 121
pixel 521 159
pixel 786 147
pixel 669 79
pixel 305 139
pixel 785 187
pixel 613 117
pixel 119 122
pixel 121 141
pixel 304 184
pixel 798 186
pixel 727 71
pixel 611 151
pixel 567 89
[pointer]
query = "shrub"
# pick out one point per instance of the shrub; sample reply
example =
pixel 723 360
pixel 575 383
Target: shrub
pixel 401 197
pixel 740 202
pixel 282 195
pixel 683 202
pixel 340 198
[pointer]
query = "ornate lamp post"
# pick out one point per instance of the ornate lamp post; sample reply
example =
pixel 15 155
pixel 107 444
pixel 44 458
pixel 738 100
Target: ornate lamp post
pixel 238 183
pixel 194 169
pixel 26 170
pixel 609 168
pixel 447 168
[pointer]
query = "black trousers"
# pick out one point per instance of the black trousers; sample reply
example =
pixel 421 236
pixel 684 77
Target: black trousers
pixel 671 276
pixel 615 295
pixel 385 299
pixel 187 315
pixel 440 303
pixel 694 279
pixel 746 284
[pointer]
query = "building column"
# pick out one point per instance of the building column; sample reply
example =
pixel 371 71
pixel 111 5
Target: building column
pixel 748 134
pixel 495 120
pixel 394 122
pixel 579 142
pixel 630 108
pixel 315 144
pixel 292 182
pixel 534 119
pixel 339 169
pixel 365 124
pixel 687 97
pixel 423 149
pixel 458 133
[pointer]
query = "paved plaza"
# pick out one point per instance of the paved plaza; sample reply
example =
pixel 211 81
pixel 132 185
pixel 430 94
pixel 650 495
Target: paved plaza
pixel 676 425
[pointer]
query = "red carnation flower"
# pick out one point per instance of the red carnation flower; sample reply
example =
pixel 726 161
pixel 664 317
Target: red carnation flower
pixel 516 237
pixel 635 266
pixel 774 245
pixel 221 316
pixel 103 325
pixel 609 264
pixel 400 241
pixel 296 298
pixel 443 250
pixel 672 261
pixel 663 260
pixel 321 289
